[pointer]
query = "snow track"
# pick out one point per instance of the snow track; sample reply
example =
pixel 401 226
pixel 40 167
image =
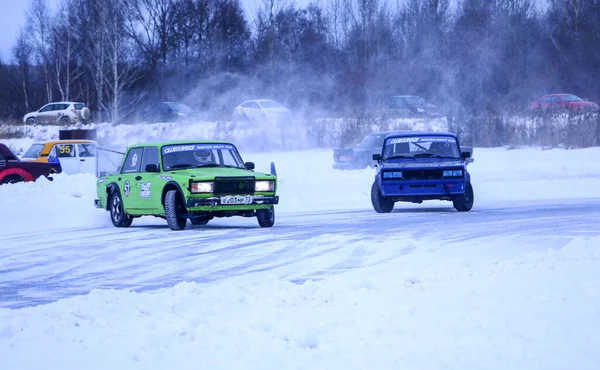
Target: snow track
pixel 43 267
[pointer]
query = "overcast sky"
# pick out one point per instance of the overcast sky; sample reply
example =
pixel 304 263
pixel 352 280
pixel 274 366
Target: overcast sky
pixel 12 18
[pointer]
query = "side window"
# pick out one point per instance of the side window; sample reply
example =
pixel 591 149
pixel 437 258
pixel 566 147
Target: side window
pixel 47 108
pixel 133 161
pixel 150 157
pixel 54 152
pixel 65 150
pixel 86 150
pixel 1 157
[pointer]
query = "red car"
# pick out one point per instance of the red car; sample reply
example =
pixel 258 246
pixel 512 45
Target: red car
pixel 13 170
pixel 563 102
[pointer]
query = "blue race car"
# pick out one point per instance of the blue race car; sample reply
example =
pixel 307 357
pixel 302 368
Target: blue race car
pixel 417 166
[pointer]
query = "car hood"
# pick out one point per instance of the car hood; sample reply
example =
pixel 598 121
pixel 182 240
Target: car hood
pixel 420 163
pixel 211 172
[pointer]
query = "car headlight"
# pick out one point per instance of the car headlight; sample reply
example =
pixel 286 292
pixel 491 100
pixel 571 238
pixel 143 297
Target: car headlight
pixel 202 187
pixel 392 175
pixel 453 173
pixel 264 185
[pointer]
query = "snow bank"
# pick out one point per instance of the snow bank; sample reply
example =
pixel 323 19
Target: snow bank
pixel 66 202
pixel 434 314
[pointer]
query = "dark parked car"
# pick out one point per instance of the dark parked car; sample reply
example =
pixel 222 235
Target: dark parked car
pixel 13 170
pixel 409 106
pixel 562 103
pixel 165 111
pixel 360 156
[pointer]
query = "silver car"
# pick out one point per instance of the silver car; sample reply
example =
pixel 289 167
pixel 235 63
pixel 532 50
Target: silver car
pixel 64 113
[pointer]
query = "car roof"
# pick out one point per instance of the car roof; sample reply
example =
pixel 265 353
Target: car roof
pixel 418 133
pixel 66 141
pixel 179 142
pixel 65 102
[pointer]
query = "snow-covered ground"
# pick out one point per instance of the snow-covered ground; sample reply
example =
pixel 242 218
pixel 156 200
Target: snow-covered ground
pixel 513 284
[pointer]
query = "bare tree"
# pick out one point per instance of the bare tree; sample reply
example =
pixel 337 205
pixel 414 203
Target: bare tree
pixel 22 52
pixel 38 28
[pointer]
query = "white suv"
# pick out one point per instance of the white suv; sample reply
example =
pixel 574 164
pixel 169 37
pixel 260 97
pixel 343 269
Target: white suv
pixel 63 112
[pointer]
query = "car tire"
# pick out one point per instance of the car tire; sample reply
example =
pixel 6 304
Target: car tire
pixel 117 212
pixel 199 221
pixel 464 202
pixel 65 120
pixel 174 210
pixel 266 217
pixel 12 179
pixel 380 203
pixel 31 121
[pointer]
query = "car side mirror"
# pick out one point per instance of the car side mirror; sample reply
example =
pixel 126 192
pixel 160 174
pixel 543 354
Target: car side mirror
pixel 249 165
pixel 151 168
pixel 376 157
pixel 466 155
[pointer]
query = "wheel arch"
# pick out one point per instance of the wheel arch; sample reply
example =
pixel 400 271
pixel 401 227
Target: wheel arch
pixel 111 188
pixel 17 171
pixel 171 185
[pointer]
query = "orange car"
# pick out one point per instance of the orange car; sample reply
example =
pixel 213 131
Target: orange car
pixel 72 156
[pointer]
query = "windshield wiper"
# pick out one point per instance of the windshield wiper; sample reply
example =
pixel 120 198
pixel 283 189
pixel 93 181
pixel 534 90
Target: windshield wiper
pixel 429 155
pixel 182 165
pixel 207 165
pixel 399 156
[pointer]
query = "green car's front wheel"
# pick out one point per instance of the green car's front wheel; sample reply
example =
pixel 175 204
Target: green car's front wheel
pixel 266 217
pixel 174 210
pixel 117 213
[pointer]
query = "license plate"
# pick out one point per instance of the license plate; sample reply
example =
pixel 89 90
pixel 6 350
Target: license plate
pixel 237 199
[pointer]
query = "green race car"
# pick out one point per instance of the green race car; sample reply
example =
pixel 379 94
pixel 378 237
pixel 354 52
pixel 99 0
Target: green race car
pixel 181 180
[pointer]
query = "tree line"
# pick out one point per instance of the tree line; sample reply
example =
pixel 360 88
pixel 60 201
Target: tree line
pixel 339 57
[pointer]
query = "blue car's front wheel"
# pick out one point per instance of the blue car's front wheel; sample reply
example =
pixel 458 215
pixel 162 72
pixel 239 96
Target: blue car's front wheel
pixel 380 203
pixel 464 202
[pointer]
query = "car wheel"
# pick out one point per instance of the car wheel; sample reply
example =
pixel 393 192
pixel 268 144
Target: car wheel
pixel 31 121
pixel 266 217
pixel 199 221
pixel 65 121
pixel 174 210
pixel 117 212
pixel 380 203
pixel 12 179
pixel 464 202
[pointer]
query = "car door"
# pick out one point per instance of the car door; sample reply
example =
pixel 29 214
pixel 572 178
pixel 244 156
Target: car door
pixel 129 182
pixel 67 156
pixel 87 154
pixel 148 181
pixel 45 113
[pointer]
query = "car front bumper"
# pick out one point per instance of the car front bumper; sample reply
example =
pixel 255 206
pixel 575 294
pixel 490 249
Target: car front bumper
pixel 256 200
pixel 401 188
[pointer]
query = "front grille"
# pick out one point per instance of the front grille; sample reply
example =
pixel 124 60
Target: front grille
pixel 422 174
pixel 234 185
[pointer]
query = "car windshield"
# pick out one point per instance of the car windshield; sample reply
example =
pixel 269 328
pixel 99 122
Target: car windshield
pixel 179 107
pixel 414 100
pixel 436 146
pixel 269 104
pixel 570 98
pixel 182 156
pixel 33 152
pixel 372 141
